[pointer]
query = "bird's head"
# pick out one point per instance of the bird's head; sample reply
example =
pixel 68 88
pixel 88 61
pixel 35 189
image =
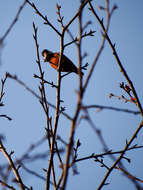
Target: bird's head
pixel 46 55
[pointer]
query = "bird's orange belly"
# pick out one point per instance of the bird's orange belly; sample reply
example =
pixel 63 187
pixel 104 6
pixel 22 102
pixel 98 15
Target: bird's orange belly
pixel 54 61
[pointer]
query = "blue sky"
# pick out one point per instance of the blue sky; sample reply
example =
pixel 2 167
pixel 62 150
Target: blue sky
pixel 28 125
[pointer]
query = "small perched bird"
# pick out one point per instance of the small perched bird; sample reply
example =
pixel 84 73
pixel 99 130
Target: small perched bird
pixel 66 64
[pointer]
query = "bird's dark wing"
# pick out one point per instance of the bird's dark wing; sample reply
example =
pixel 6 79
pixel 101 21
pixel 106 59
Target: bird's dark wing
pixel 67 65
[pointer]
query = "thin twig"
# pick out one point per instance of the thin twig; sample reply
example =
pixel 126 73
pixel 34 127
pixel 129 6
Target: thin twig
pixel 43 17
pixel 111 108
pixel 97 55
pixel 59 181
pixel 33 172
pixel 6 185
pixel 104 144
pixel 15 171
pixel 14 77
pixel 117 58
pixel 86 34
pixel 13 22
pixel 42 88
pixel 2 93
pixel 77 14
pixel 5 116
pixel 129 175
pixel 121 155
pixel 109 152
pixel 3 81
pixel 26 156
pixel 45 81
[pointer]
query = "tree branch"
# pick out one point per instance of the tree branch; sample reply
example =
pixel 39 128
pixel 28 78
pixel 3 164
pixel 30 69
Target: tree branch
pixel 13 22
pixel 15 171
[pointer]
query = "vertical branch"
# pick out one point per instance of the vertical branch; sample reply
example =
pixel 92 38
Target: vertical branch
pixel 71 142
pixel 64 28
pixel 58 89
pixel 42 88
pixel 46 109
pixel 79 45
pixel 80 96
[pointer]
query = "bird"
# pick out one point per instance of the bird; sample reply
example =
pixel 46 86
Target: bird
pixel 66 64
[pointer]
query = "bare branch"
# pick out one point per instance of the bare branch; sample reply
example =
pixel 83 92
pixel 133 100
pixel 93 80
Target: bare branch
pixel 13 22
pixel 3 81
pixel 6 185
pixel 100 107
pixel 14 77
pixel 15 171
pixel 129 175
pixel 45 81
pixel 7 117
pixel 109 152
pixel 117 58
pixel 33 173
pixel 2 93
pixel 43 17
pixel 121 155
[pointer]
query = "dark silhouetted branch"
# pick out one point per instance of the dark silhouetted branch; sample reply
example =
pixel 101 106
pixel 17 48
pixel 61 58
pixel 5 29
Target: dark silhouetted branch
pixel 100 107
